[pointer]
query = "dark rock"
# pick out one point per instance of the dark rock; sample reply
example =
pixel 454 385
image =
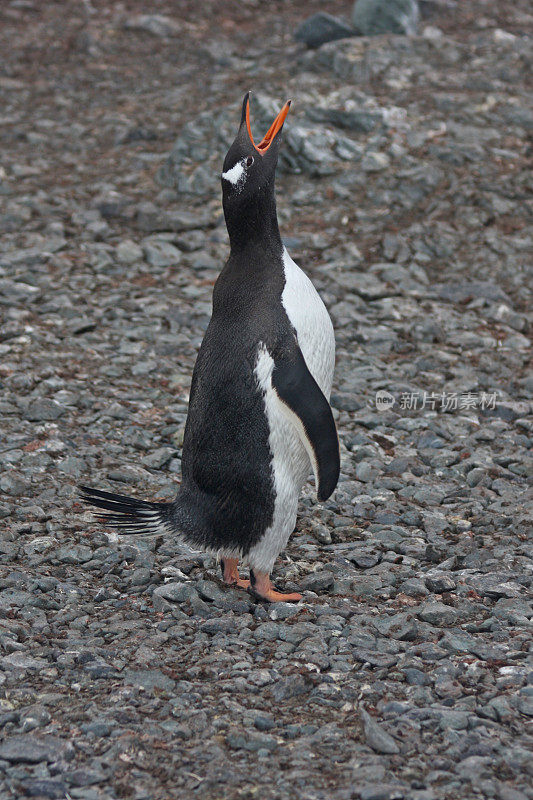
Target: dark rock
pixel 322 28
pixel 12 484
pixel 286 688
pixel 85 777
pixel 149 679
pixel 440 583
pixel 373 17
pixel 74 554
pixel 264 722
pixel 53 789
pixel 508 410
pixel 437 614
pixel 176 592
pixel 251 741
pixel 34 749
pixel 317 581
pixel 378 739
pixel 44 410
pixel 218 625
pixel 159 253
pixel 158 458
pixel 466 291
pixel 346 402
pixel 360 120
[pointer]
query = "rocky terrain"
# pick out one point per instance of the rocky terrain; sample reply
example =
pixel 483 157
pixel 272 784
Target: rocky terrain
pixel 127 670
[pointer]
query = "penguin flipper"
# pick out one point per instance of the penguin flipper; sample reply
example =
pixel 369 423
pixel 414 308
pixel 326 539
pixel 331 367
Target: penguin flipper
pixel 308 409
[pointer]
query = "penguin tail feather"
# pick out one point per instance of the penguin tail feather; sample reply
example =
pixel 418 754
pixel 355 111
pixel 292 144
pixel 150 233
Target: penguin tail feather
pixel 128 514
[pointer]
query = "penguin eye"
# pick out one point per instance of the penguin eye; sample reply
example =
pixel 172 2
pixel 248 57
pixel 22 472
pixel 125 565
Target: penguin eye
pixel 249 161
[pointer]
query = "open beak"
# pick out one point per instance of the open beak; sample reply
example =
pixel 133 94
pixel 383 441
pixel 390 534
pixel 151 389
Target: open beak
pixel 272 132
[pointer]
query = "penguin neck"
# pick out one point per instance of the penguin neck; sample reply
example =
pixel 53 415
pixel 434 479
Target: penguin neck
pixel 253 223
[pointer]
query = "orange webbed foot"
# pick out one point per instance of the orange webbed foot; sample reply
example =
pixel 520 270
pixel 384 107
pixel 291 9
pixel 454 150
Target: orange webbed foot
pixel 230 573
pixel 262 589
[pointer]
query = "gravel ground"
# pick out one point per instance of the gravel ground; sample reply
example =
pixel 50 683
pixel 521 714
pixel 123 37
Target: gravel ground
pixel 127 670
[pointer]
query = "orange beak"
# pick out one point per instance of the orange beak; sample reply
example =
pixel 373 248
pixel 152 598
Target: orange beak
pixel 274 129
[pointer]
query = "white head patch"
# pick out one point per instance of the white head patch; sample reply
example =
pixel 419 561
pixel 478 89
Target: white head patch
pixel 236 175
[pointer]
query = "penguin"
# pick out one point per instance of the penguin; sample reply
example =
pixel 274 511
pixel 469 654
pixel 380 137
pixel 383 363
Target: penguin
pixel 259 418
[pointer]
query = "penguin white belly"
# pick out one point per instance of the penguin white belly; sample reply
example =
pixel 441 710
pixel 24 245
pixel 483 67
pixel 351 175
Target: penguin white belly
pixel 290 461
pixel 310 319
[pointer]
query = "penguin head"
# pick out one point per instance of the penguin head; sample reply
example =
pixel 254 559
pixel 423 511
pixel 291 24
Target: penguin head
pixel 249 167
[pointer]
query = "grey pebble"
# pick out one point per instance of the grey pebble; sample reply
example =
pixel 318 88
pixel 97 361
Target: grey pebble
pixel 44 409
pixel 34 749
pixel 378 739
pixel 322 28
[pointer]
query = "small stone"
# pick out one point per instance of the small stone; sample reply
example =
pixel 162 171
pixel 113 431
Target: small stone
pixel 364 560
pixel 45 788
pixel 364 471
pixel 322 534
pixel 475 476
pixel 18 660
pixel 126 474
pixel 509 410
pixel 34 749
pixel 437 614
pixel 361 120
pixel 322 28
pixel 378 739
pixel 44 410
pixel 72 466
pixel 264 722
pixel 440 583
pixel 140 577
pixel 375 162
pixel 156 24
pixel 247 740
pixel 415 677
pixel 293 686
pixel 14 485
pixel 99 728
pixel 384 791
pixel 86 777
pixel 74 554
pixel 128 252
pixel 159 458
pixel 317 581
pixel 374 17
pixel 149 679
pixel 176 592
pixel 218 625
pixel 159 253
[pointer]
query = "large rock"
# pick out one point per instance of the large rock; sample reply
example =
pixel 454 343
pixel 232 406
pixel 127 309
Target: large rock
pixel 372 17
pixel 378 739
pixel 44 409
pixel 160 253
pixel 33 749
pixel 322 28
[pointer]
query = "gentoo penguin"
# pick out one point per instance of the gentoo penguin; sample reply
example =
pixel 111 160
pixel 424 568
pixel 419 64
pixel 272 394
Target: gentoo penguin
pixel 259 416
